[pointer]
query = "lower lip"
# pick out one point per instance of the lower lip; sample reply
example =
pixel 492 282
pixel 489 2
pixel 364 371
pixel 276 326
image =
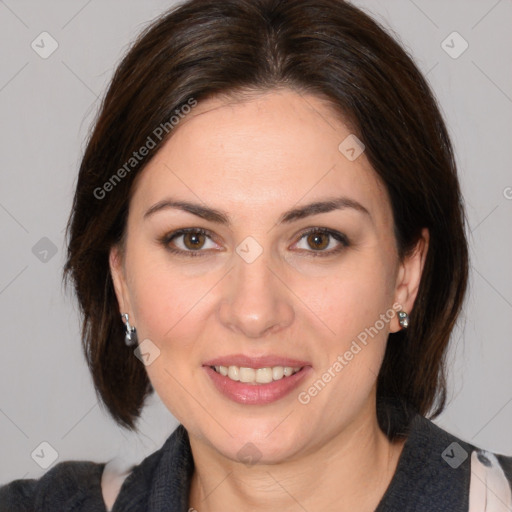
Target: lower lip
pixel 256 394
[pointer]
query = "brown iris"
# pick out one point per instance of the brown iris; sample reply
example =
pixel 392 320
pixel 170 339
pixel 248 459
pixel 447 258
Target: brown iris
pixel 318 241
pixel 193 240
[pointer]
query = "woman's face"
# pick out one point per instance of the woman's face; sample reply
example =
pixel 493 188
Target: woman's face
pixel 269 282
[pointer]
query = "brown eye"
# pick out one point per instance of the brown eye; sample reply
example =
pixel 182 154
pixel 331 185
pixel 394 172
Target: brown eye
pixel 318 241
pixel 322 242
pixel 194 240
pixel 189 242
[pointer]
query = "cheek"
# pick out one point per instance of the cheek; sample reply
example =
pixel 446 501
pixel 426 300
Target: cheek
pixel 353 298
pixel 172 310
pixel 357 306
pixel 174 307
pixel 166 301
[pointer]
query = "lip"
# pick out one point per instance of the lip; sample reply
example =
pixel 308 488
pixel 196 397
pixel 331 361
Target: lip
pixel 256 394
pixel 245 361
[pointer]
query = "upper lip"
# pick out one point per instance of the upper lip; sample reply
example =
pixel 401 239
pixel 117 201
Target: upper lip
pixel 245 361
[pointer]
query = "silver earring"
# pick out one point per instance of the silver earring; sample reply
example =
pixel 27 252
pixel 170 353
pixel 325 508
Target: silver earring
pixel 130 337
pixel 403 319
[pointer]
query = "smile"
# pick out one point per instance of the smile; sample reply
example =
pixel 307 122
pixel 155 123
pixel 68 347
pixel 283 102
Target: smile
pixel 256 386
pixel 256 375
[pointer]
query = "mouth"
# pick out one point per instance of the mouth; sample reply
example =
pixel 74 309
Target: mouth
pixel 255 376
pixel 256 381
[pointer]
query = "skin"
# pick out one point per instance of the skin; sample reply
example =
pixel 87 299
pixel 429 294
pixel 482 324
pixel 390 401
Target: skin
pixel 255 158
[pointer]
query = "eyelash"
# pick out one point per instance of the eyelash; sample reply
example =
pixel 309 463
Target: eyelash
pixel 340 237
pixel 167 239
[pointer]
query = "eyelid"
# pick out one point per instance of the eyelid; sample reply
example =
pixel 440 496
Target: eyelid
pixel 339 237
pixel 166 239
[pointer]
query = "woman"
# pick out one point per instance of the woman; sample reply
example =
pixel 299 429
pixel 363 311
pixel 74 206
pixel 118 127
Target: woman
pixel 268 232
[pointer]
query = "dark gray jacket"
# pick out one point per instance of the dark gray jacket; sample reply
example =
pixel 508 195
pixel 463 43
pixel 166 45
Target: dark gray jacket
pixel 431 476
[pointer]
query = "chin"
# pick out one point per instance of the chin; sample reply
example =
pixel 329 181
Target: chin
pixel 258 440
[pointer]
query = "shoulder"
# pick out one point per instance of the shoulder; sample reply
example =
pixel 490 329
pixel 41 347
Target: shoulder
pixel 491 481
pixel 77 485
pixel 456 452
pixel 438 471
pixel 68 482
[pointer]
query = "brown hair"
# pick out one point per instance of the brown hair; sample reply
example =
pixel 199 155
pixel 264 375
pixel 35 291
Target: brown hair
pixel 324 47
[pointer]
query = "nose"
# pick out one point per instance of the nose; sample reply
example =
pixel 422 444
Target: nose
pixel 255 300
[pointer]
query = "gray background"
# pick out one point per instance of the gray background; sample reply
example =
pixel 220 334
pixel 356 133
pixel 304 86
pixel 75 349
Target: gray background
pixel 47 106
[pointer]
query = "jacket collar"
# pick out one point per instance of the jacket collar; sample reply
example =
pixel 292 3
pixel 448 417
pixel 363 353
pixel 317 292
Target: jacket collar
pixel 161 482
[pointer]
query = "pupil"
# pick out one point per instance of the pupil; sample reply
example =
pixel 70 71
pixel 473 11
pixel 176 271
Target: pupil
pixel 194 240
pixel 316 240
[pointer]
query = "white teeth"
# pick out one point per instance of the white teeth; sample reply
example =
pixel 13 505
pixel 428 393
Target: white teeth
pixel 256 375
pixel 247 374
pixel 263 375
pixel 277 372
pixel 234 373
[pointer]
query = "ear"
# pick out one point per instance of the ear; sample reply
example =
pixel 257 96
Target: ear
pixel 409 277
pixel 119 279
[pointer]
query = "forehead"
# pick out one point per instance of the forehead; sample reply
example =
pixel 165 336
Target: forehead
pixel 271 150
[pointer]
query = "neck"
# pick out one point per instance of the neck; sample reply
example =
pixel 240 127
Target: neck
pixel 351 471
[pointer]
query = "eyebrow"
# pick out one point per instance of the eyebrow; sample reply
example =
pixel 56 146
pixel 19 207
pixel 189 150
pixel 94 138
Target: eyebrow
pixel 204 212
pixel 220 217
pixel 328 205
